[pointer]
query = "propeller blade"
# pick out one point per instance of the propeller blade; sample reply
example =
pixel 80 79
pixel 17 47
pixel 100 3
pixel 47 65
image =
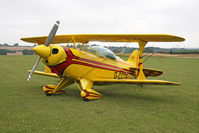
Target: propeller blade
pixel 52 34
pixel 33 69
pixel 47 43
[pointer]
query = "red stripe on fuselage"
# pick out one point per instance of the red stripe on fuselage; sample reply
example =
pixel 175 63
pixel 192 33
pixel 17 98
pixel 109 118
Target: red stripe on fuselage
pixel 91 61
pixel 59 69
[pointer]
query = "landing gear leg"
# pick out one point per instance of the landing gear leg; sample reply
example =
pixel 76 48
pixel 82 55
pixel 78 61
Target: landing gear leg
pixel 54 90
pixel 86 92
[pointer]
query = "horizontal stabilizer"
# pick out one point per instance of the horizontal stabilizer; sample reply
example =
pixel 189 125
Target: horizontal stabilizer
pixel 133 81
pixel 45 74
pixel 148 72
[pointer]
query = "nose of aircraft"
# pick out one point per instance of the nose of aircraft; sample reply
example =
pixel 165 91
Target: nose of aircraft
pixel 42 50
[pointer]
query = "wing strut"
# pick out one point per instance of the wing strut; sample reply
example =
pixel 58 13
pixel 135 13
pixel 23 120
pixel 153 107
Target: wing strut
pixel 142 44
pixel 74 43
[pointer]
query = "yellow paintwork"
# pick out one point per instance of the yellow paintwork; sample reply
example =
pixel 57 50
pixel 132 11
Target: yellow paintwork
pixel 53 58
pixel 82 66
pixel 48 89
pixel 85 38
pixel 47 69
pixel 87 92
pixel 134 58
pixel 135 81
pixel 65 81
pixel 81 71
pixel 141 75
pixel 46 74
pixel 42 51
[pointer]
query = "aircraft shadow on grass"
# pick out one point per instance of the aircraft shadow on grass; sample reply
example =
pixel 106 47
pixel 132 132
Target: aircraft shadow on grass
pixel 112 94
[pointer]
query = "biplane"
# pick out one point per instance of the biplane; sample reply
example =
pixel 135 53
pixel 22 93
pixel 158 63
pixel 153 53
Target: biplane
pixel 86 66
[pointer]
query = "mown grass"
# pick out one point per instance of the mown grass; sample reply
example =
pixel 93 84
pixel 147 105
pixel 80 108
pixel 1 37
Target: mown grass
pixel 124 108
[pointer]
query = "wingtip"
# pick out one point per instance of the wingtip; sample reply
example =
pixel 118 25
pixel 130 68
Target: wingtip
pixel 174 83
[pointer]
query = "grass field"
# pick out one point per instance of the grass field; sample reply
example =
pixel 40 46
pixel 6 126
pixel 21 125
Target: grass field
pixel 124 108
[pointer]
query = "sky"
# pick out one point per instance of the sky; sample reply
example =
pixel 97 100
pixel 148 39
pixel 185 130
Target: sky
pixel 27 18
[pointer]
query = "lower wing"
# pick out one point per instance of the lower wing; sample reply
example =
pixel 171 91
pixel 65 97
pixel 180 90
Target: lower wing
pixel 45 73
pixel 133 81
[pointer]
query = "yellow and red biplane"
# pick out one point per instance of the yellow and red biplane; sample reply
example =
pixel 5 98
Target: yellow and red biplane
pixel 87 66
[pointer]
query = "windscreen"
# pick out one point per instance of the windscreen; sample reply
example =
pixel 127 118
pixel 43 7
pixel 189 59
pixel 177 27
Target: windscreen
pixel 103 52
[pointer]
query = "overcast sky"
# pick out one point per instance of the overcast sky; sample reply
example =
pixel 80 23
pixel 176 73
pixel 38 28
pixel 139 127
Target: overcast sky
pixel 26 18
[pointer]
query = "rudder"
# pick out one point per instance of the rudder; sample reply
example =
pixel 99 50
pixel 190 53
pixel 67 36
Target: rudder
pixel 134 59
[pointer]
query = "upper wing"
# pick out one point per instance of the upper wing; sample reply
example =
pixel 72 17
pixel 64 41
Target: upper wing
pixel 133 81
pixel 85 38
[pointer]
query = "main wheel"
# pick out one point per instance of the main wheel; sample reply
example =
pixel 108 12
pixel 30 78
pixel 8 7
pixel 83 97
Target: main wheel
pixel 86 100
pixel 49 94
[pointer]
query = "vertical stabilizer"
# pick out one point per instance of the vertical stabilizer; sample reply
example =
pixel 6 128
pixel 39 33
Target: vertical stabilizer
pixel 134 59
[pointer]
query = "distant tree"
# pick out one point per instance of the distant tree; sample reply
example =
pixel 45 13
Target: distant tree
pixel 3 52
pixel 11 51
pixel 148 50
pixel 117 50
pixel 94 45
pixel 171 51
pixel 16 44
pixel 5 44
pixel 27 52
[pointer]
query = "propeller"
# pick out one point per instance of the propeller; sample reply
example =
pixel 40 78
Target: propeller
pixel 47 43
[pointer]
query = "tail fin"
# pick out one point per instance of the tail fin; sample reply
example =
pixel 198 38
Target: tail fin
pixel 134 59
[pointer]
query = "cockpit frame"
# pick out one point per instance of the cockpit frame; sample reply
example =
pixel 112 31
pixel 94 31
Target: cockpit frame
pixel 96 50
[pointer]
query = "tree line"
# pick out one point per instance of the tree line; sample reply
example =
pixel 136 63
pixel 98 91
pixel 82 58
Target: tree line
pixel 24 52
pixel 155 50
pixel 6 51
pixel 7 45
pixel 112 48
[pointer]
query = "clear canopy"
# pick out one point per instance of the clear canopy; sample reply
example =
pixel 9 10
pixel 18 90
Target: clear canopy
pixel 103 52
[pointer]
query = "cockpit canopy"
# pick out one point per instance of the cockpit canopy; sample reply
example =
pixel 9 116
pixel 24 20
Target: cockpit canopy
pixel 103 52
